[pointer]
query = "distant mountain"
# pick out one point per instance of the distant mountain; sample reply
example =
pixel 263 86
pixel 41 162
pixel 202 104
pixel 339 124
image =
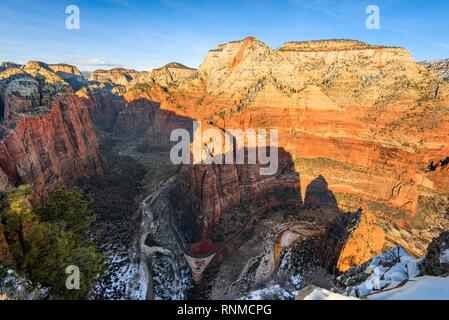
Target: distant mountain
pixel 86 74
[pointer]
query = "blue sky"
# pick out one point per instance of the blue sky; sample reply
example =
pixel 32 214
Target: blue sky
pixel 148 34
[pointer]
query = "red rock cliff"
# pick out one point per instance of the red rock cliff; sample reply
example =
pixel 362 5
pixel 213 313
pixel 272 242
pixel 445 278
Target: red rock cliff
pixel 50 144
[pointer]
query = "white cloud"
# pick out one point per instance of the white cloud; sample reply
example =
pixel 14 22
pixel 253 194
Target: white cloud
pixel 96 62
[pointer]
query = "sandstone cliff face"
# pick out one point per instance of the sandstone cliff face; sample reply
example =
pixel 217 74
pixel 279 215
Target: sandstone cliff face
pixel 369 119
pixel 65 69
pixel 118 76
pixel 52 150
pixel 70 74
pixel 366 240
pixel 48 139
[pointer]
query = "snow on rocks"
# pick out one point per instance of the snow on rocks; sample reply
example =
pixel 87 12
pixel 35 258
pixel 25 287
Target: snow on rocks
pixel 385 272
pixel 14 287
pixel 318 294
pixel 423 288
pixel 444 258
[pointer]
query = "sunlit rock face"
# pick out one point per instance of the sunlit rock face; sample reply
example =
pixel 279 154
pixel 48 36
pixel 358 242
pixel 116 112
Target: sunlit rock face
pixel 368 119
pixel 118 76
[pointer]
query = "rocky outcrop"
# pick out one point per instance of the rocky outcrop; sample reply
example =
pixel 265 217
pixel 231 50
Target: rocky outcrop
pixel 7 65
pixel 48 139
pixel 29 88
pixel 51 150
pixel 441 67
pixel 104 105
pixel 365 241
pixel 69 73
pixel 327 45
pixel 65 70
pixel 166 75
pixel 118 76
pixel 15 287
pixel 224 198
pixel 436 262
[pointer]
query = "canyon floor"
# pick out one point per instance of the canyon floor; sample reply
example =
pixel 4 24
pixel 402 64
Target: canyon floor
pixel 146 262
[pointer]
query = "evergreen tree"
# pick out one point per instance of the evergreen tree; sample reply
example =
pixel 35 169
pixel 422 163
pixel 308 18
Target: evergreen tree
pixel 52 250
pixel 43 241
pixel 69 207
pixel 16 216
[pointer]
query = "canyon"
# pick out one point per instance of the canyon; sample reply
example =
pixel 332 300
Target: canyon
pixel 363 162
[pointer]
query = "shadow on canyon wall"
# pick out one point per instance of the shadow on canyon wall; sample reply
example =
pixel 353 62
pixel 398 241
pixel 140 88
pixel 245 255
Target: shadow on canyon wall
pixel 125 129
pixel 216 205
pixel 319 196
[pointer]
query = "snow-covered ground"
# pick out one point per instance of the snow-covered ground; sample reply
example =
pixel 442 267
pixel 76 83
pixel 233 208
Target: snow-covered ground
pixel 384 272
pixel 319 294
pixel 121 280
pixel 274 292
pixel 393 275
pixel 423 288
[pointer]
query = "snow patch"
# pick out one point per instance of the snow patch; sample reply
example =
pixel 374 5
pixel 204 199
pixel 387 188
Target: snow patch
pixel 444 258
pixel 385 272
pixel 424 288
pixel 275 292
pixel 323 294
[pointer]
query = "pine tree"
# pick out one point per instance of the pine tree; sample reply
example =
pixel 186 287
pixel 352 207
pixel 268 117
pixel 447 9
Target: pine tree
pixel 43 241
pixel 16 217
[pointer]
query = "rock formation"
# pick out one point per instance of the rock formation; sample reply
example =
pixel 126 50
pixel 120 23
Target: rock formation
pixel 47 137
pixel 117 76
pixel 440 67
pixel 436 262
pixel 166 75
pixel 367 118
pixel 7 65
pixel 69 73
pixel 365 241
pixel 225 197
